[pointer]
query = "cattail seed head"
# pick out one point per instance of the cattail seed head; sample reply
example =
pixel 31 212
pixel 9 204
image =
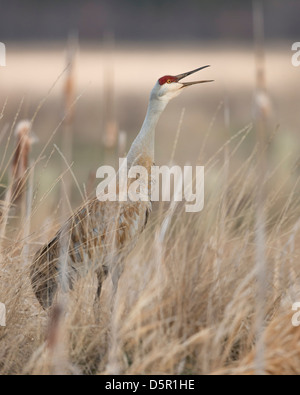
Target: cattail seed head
pixel 24 141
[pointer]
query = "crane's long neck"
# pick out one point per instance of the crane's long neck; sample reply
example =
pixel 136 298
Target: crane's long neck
pixel 143 145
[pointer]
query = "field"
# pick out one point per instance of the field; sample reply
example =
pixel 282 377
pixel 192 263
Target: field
pixel 205 293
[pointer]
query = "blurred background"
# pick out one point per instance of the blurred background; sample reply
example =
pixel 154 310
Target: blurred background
pixel 144 20
pixel 117 49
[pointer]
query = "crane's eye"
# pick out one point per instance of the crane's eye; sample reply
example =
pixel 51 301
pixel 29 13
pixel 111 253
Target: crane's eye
pixel 169 81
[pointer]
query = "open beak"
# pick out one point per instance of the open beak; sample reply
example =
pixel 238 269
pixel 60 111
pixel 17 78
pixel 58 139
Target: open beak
pixel 184 75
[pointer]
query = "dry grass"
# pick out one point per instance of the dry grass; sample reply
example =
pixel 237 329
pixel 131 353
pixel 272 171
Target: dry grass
pixel 189 297
pixel 187 300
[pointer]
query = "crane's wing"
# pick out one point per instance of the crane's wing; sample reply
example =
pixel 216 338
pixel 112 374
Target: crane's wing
pixel 96 238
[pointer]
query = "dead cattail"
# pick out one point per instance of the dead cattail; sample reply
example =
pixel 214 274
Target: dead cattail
pixel 53 327
pixel 111 133
pixel 122 143
pixel 69 90
pixel 262 105
pixel 110 125
pixel 20 164
pixel 69 85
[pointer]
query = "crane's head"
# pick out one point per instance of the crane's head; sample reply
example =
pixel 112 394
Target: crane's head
pixel 169 86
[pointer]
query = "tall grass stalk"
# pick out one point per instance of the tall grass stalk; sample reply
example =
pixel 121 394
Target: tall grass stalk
pixel 69 94
pixel 261 113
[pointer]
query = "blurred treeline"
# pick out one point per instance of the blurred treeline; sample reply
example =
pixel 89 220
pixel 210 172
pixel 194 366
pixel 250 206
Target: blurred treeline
pixel 145 20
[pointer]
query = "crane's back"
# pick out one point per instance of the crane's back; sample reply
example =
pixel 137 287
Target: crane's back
pixel 96 238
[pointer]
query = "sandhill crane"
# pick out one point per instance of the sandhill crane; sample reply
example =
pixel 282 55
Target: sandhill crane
pixel 100 235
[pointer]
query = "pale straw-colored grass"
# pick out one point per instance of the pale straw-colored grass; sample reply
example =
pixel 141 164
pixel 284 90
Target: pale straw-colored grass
pixel 187 301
